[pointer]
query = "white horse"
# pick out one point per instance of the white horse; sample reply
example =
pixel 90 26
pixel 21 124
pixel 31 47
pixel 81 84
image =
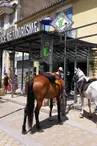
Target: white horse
pixel 86 87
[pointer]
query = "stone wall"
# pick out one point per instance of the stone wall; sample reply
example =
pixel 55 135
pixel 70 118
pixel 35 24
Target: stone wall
pixel 29 7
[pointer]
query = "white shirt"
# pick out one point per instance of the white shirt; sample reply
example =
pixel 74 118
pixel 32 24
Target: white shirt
pixel 61 75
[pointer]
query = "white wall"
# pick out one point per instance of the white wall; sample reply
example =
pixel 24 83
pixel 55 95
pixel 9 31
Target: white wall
pixel 5 59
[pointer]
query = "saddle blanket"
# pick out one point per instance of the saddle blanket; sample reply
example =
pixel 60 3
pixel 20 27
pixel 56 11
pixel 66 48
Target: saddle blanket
pixel 85 84
pixel 52 78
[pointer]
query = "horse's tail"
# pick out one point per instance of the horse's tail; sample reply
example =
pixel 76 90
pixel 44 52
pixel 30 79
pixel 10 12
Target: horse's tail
pixel 30 103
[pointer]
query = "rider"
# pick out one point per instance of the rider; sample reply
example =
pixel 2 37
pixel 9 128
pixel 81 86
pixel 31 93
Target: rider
pixel 60 72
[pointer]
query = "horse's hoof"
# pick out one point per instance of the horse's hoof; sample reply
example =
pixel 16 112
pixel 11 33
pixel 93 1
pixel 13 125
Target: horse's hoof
pixel 81 116
pixel 89 116
pixel 24 132
pixel 40 130
pixel 60 122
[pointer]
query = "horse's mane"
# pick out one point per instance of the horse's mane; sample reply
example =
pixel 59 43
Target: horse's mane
pixel 83 75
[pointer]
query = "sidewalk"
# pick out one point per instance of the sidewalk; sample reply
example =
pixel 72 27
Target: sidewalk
pixel 21 100
pixel 17 98
pixel 72 112
pixel 73 132
pixel 8 140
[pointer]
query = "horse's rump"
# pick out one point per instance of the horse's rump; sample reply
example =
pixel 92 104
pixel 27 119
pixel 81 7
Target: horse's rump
pixel 44 87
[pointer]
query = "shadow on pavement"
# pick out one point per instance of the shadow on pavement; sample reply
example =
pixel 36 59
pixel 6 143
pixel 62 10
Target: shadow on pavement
pixel 45 124
pixel 93 118
pixel 2 100
pixel 17 94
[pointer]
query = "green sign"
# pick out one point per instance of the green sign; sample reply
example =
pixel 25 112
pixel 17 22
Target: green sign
pixel 61 22
pixel 46 49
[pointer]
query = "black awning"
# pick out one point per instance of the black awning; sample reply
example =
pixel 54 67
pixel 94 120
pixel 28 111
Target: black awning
pixel 22 45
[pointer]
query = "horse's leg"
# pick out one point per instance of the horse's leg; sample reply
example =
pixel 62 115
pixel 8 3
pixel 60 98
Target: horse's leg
pixel 51 107
pixel 89 105
pixel 24 122
pixel 82 104
pixel 58 107
pixel 37 110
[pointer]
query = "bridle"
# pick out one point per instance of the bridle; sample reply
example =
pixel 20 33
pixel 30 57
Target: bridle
pixel 77 75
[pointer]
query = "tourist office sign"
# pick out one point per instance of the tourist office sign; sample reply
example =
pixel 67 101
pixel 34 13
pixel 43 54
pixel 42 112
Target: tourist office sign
pixel 61 23
pixel 46 50
pixel 27 29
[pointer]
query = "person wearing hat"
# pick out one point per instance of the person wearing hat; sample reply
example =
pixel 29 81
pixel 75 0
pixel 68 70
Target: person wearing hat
pixel 6 82
pixel 60 72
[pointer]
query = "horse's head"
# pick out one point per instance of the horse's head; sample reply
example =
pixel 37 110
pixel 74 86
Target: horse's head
pixel 78 73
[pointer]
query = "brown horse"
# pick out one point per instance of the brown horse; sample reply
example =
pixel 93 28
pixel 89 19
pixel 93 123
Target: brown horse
pixel 41 87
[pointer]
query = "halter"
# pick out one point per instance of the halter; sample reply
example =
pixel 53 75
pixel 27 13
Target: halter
pixel 77 75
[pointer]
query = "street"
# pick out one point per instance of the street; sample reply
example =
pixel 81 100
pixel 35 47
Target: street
pixel 73 132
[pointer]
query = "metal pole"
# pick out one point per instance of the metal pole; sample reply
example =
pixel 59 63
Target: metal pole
pixel 51 56
pixel 75 65
pixel 29 63
pixel 13 71
pixel 1 53
pixel 22 71
pixel 51 60
pixel 32 65
pixel 88 56
pixel 64 92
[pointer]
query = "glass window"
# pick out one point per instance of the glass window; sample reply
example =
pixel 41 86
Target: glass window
pixel 2 23
pixel 11 18
pixel 42 27
pixel 67 11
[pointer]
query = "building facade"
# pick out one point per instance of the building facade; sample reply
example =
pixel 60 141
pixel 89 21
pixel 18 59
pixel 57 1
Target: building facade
pixel 80 12
pixel 8 17
pixel 26 12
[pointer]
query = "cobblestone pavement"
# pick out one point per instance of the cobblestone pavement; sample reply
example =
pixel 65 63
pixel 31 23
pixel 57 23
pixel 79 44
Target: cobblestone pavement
pixel 73 132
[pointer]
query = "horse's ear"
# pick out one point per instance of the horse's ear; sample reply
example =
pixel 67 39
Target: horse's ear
pixel 75 69
pixel 79 68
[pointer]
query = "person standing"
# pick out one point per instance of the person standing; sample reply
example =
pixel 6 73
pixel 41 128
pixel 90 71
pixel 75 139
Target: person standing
pixel 15 83
pixel 60 72
pixel 6 82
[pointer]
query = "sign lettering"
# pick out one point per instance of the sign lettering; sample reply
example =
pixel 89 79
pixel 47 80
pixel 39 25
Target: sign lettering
pixel 45 52
pixel 61 22
pixel 46 49
pixel 19 32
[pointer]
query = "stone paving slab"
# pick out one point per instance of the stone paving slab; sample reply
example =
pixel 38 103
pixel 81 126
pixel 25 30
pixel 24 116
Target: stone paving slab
pixel 8 140
pixel 8 108
pixel 18 99
pixel 71 133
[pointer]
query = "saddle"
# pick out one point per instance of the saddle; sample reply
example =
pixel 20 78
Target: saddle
pixel 84 84
pixel 52 78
